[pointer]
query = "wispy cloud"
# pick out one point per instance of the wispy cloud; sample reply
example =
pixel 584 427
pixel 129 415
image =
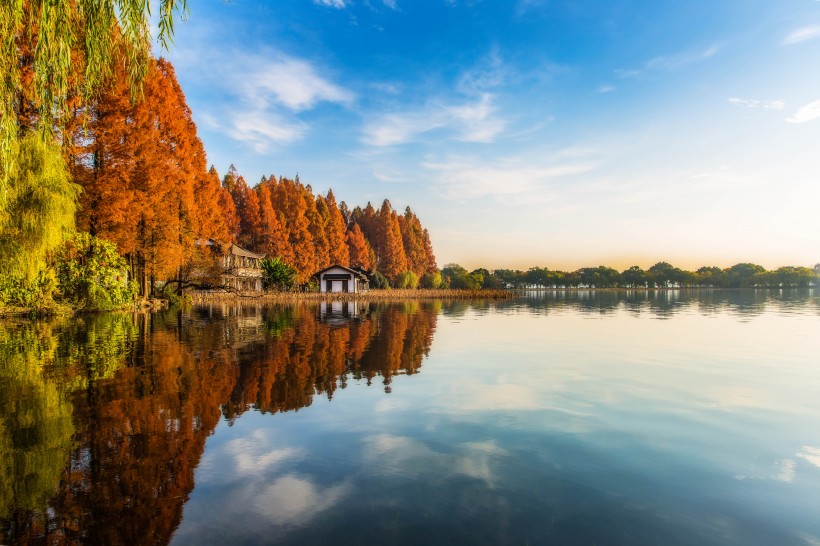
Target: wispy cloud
pixel 471 121
pixel 338 4
pixel 471 178
pixel 755 103
pixel 262 129
pixel 262 97
pixel 676 61
pixel 294 83
pixel 810 112
pixel 606 89
pixel 802 35
pixel 488 74
pixel 391 4
pixel 670 62
pixel 391 129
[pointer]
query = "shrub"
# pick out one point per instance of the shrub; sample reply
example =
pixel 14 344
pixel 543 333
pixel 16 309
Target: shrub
pixel 432 280
pixel 379 281
pixel 92 275
pixel 278 274
pixel 407 279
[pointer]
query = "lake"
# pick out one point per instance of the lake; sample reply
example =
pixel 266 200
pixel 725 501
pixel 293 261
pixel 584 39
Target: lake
pixel 632 417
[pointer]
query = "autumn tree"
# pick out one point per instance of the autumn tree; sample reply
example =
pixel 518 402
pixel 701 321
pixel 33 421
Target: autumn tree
pixel 412 236
pixel 336 236
pixel 139 170
pixel 389 249
pixel 318 216
pixel 361 253
pixel 273 238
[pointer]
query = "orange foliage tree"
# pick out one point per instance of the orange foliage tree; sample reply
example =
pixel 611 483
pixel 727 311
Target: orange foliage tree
pixel 141 166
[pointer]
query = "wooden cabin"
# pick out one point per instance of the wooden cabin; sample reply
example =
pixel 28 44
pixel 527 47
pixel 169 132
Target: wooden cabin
pixel 338 278
pixel 243 268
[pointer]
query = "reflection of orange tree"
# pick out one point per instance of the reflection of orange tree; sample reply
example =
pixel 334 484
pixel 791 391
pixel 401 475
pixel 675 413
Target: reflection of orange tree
pixel 138 437
pixel 141 414
pixel 285 372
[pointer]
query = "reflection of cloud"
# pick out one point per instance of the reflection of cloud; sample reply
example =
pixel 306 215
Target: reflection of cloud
pixel 738 396
pixel 785 470
pixel 504 397
pixel 292 500
pixel 251 458
pixel 811 454
pixel 400 455
pixel 253 455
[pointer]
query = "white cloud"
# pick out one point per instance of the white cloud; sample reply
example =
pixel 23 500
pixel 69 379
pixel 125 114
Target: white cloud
pixel 294 83
pixel 477 120
pixel 262 129
pixel 264 95
pixel 807 113
pixel 471 178
pixel 755 103
pixel 488 74
pixel 802 35
pixel 393 129
pixel 391 4
pixel 473 121
pixel 606 89
pixel 338 4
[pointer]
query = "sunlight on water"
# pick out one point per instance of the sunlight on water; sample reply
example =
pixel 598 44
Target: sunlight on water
pixel 630 417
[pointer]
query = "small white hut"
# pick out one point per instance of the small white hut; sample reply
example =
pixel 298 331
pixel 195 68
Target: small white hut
pixel 338 278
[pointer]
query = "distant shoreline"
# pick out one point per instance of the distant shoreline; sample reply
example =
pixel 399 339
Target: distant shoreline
pixel 199 298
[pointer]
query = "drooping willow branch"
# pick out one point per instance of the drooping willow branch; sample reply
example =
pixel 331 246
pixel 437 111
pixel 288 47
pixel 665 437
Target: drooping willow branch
pixel 56 39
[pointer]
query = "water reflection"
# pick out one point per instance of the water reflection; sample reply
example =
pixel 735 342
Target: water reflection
pixel 103 419
pixel 664 304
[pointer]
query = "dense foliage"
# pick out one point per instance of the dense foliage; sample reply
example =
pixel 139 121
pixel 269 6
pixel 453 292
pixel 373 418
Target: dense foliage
pixel 91 274
pixel 40 201
pixel 278 274
pixel 55 54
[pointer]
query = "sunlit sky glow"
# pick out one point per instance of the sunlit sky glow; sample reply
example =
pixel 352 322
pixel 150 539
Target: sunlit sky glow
pixel 533 132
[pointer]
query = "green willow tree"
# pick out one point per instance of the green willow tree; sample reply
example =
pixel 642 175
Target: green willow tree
pixel 40 205
pixel 53 49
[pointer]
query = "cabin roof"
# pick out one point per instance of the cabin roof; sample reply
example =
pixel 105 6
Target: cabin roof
pixel 337 266
pixel 237 250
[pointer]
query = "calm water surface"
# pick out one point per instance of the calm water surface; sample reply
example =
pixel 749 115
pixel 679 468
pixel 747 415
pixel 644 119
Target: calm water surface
pixel 561 418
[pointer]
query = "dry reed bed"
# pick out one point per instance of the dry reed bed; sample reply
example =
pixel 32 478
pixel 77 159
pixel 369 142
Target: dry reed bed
pixel 372 295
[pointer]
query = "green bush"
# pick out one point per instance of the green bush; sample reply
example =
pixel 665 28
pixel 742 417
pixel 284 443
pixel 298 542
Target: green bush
pixel 432 280
pixel 278 274
pixel 379 281
pixel 407 279
pixel 92 275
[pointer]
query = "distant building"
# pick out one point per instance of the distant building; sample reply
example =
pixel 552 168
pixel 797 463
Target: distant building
pixel 338 278
pixel 243 269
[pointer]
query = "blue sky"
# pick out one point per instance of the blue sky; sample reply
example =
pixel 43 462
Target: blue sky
pixel 530 132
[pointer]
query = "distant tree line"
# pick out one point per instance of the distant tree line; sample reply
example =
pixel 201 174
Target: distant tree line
pixel 660 275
